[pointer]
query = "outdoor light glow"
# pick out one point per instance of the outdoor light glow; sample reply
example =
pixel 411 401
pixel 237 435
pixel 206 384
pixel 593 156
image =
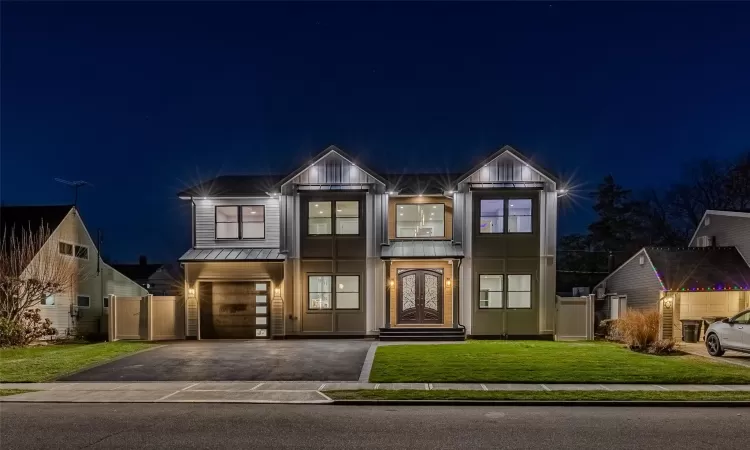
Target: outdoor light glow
pixel 448 282
pixel 391 283
pixel 277 292
pixel 391 193
pixel 191 292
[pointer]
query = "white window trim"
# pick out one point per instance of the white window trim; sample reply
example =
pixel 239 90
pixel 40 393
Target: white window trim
pixel 83 307
pixel 43 305
pixel 72 248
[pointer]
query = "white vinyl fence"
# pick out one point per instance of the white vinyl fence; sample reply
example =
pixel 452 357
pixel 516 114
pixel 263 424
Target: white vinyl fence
pixel 146 318
pixel 574 320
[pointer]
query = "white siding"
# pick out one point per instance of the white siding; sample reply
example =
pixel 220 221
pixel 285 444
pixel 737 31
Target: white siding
pixel 505 167
pixel 205 223
pixel 333 169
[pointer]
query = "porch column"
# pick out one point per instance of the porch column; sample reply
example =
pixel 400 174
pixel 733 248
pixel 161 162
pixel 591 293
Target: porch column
pixel 387 294
pixel 456 290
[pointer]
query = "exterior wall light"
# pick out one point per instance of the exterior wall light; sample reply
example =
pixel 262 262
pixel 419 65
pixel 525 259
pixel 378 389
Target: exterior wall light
pixel 448 282
pixel 391 283
pixel 668 303
pixel 277 292
pixel 191 292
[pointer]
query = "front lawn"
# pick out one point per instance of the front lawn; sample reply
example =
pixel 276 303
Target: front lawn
pixel 7 392
pixel 544 362
pixel 49 362
pixel 382 394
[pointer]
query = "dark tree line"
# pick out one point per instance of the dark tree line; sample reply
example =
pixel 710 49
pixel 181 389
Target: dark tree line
pixel 627 221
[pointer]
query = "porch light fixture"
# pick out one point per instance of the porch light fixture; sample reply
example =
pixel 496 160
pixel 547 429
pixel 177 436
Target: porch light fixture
pixel 448 282
pixel 668 303
pixel 391 283
pixel 191 292
pixel 277 292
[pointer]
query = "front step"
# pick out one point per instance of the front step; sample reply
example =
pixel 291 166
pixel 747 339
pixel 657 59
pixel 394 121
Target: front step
pixel 422 334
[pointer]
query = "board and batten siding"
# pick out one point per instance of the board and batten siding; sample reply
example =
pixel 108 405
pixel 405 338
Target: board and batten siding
pixel 205 223
pixel 637 281
pixel 728 231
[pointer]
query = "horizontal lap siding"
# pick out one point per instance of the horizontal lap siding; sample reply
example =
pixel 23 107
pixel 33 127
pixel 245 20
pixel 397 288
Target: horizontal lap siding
pixel 638 282
pixel 205 225
pixel 728 231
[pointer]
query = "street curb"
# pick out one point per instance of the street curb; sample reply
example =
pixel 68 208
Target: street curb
pixel 607 403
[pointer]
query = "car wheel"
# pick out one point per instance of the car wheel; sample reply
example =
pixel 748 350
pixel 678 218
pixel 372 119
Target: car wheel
pixel 713 345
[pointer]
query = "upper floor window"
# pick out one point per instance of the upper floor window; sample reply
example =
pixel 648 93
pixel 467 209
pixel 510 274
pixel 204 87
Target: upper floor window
pixel 65 249
pixel 519 215
pixel 82 252
pixel 491 216
pixel 323 215
pixel 79 251
pixel 420 221
pixel 240 222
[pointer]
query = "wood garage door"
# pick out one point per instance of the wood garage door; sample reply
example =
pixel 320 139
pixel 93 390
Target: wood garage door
pixel 234 310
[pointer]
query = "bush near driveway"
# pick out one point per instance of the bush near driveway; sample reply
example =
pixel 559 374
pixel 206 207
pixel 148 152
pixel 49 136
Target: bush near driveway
pixel 544 362
pixel 49 362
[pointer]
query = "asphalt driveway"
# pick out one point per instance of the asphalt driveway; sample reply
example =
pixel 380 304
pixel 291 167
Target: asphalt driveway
pixel 291 360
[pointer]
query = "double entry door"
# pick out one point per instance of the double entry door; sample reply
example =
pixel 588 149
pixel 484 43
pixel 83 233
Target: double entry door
pixel 420 296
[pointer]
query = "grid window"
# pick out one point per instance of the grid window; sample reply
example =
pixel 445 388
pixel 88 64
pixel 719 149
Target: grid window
pixel 319 218
pixel 347 217
pixel 347 292
pixel 519 216
pixel 82 252
pixel 490 291
pixel 65 249
pixel 519 291
pixel 491 216
pixel 253 222
pixel 319 292
pixel 227 222
pixel 426 220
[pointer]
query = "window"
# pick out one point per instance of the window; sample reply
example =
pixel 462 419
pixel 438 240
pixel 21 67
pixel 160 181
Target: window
pixel 105 302
pixel 491 215
pixel 519 215
pixel 48 301
pixel 519 291
pixel 319 218
pixel 743 319
pixel 83 301
pixel 82 252
pixel 490 291
pixel 347 292
pixel 427 220
pixel 319 292
pixel 227 222
pixel 253 222
pixel 65 249
pixel 347 217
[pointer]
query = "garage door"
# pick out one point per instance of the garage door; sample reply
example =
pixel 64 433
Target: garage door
pixel 234 310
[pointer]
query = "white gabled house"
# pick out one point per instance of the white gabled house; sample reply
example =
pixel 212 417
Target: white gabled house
pixel 84 308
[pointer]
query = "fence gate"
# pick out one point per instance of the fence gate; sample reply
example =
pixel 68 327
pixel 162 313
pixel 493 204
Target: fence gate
pixel 146 318
pixel 574 318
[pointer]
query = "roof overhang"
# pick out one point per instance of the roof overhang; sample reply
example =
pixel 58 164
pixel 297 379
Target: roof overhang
pixel 233 255
pixel 421 250
pixel 507 149
pixel 331 149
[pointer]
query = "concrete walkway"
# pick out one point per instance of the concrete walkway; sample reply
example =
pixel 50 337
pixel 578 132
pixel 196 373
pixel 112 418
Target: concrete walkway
pixel 283 392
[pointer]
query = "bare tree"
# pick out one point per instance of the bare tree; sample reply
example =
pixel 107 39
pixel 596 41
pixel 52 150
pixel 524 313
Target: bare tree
pixel 31 269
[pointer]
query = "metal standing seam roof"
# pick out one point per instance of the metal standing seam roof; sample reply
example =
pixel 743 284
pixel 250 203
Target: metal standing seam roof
pixel 421 250
pixel 233 254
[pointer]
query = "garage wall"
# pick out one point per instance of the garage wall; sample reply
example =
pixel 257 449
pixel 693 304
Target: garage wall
pixel 695 305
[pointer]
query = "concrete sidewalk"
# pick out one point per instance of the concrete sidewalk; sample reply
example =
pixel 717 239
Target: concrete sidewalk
pixel 284 392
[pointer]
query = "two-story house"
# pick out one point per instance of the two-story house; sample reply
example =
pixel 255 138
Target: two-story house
pixel 724 229
pixel 335 249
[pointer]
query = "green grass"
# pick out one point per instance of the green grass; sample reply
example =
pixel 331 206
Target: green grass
pixel 538 395
pixel 544 362
pixel 49 362
pixel 6 392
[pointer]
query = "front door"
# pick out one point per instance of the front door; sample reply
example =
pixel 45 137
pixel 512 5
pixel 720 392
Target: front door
pixel 420 296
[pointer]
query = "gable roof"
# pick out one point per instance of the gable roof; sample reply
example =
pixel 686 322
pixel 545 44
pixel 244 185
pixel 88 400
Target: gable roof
pixel 233 186
pixel 331 149
pixel 743 214
pixel 14 219
pixel 515 153
pixel 700 268
pixel 136 271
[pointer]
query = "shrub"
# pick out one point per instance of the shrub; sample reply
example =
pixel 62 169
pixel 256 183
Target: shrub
pixel 26 329
pixel 608 330
pixel 638 329
pixel 662 347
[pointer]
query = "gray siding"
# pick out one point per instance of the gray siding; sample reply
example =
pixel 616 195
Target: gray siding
pixel 458 213
pixel 637 281
pixel 205 223
pixel 505 167
pixel 728 231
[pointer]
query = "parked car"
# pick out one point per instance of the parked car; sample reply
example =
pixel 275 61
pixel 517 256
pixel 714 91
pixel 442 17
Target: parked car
pixel 729 334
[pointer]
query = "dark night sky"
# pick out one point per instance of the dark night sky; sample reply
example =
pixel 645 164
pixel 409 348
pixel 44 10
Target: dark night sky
pixel 141 99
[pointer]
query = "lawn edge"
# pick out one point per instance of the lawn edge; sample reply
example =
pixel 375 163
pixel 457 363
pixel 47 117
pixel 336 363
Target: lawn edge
pixel 603 403
pixel 6 392
pixel 100 363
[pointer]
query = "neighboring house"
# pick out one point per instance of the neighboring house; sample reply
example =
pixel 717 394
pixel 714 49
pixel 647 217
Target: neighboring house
pixel 724 229
pixel 335 249
pixel 682 283
pixel 84 308
pixel 158 279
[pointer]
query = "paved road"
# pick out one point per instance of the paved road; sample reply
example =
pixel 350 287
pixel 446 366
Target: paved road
pixel 24 426
pixel 292 360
